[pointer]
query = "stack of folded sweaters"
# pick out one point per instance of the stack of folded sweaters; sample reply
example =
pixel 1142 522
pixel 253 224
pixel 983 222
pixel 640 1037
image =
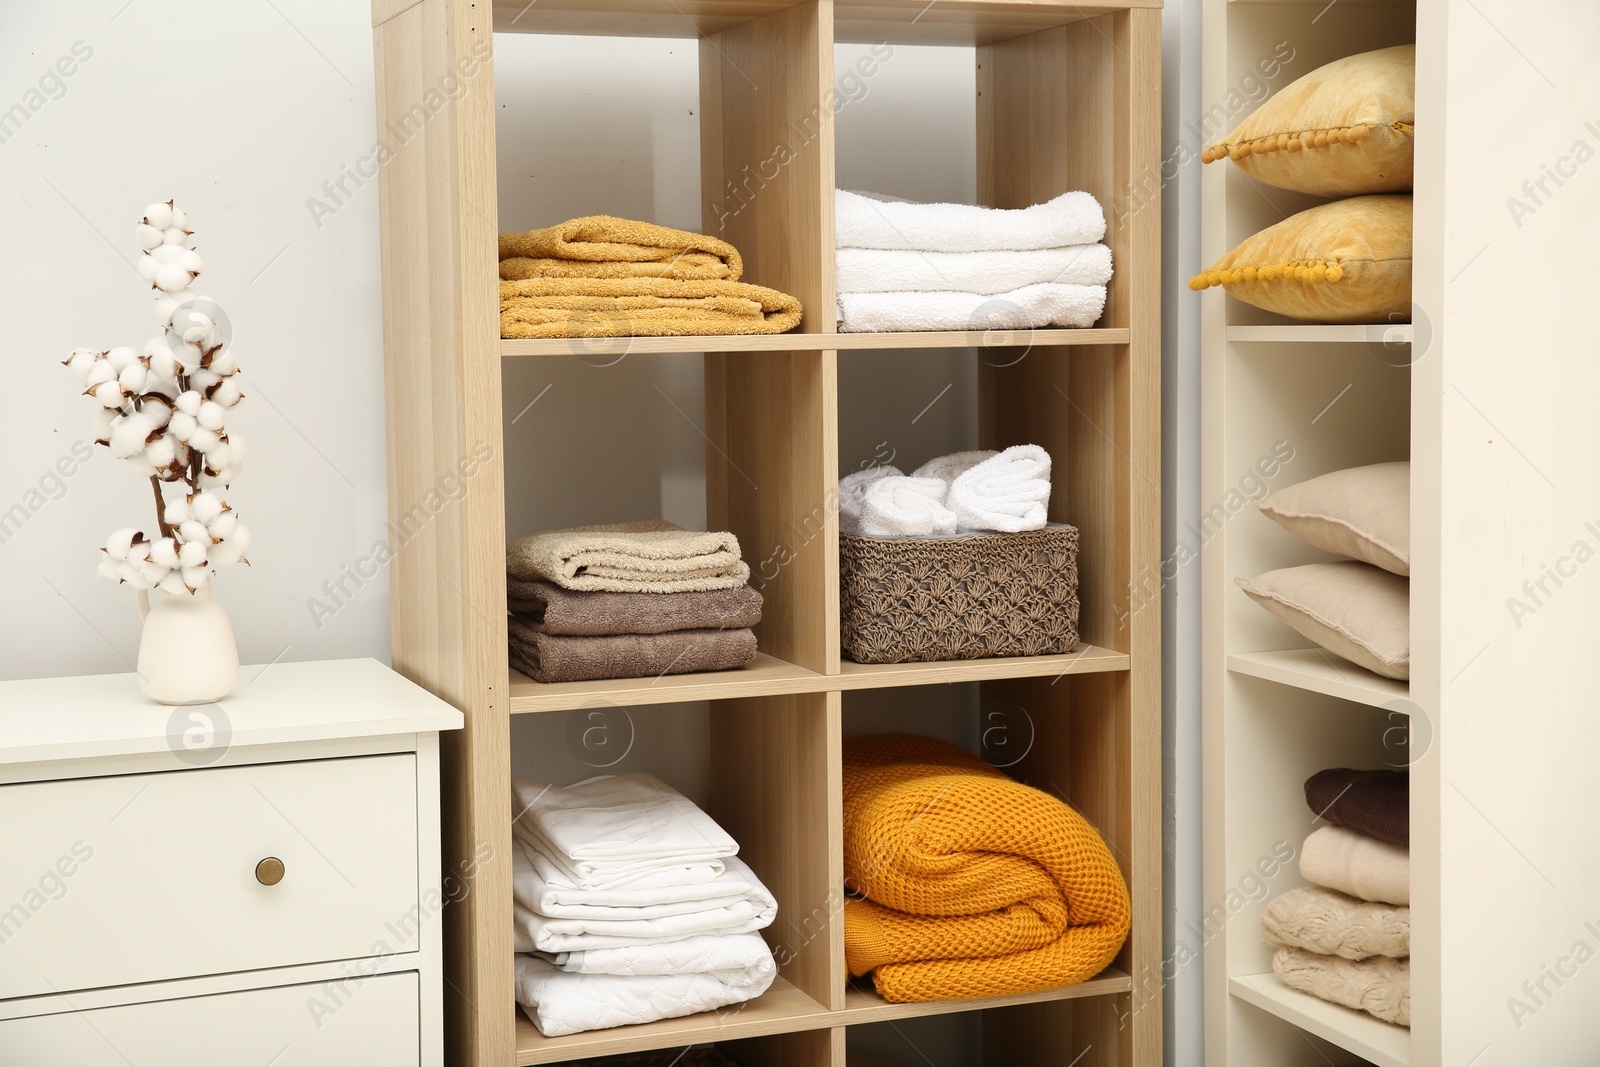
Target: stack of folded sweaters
pixel 630 600
pixel 1347 937
pixel 630 905
pixel 905 266
pixel 964 883
pixel 608 277
pixel 964 492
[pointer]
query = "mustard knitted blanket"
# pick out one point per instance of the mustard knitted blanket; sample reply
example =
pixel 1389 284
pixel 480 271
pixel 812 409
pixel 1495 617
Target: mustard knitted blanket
pixel 975 885
pixel 608 277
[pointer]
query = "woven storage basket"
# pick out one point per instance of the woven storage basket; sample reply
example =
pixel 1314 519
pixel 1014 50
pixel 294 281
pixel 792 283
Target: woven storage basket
pixel 916 599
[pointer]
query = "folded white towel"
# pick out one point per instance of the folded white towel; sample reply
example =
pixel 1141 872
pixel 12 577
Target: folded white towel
pixel 543 887
pixel 534 932
pixel 1353 863
pixel 1070 219
pixel 879 270
pixel 945 468
pixel 1031 307
pixel 605 831
pixel 853 492
pixel 691 955
pixel 562 1003
pixel 1009 492
pixel 907 507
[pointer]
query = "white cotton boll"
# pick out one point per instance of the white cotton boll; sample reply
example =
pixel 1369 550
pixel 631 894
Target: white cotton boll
pixel 182 425
pixel 224 363
pixel 158 215
pixel 177 512
pixel 133 377
pixel 130 433
pixel 153 572
pixel 133 574
pixel 121 357
pixel 99 373
pixel 203 440
pixel 191 261
pixel 155 405
pixel 174 235
pixel 193 553
pixel 224 526
pixel 109 394
pixel 148 268
pixel 171 277
pixel 161 452
pixel 191 530
pixel 218 458
pixel 189 402
pixel 173 584
pixel 210 415
pixel 206 507
pixel 109 568
pixel 227 394
pixel 141 466
pixel 166 304
pixel 80 361
pixel 120 541
pixel 166 254
pixel 164 550
pixel 218 479
pixel 196 578
pixel 103 420
pixel 241 537
pixel 203 380
pixel 226 554
pixel 149 236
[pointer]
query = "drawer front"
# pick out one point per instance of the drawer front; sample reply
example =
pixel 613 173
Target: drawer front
pixel 289 1026
pixel 141 878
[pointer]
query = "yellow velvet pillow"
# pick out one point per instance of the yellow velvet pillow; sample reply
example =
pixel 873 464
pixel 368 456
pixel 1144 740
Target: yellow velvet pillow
pixel 1342 130
pixel 1348 261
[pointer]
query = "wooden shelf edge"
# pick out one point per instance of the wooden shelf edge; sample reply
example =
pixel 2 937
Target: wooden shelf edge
pixel 770 676
pixel 1323 672
pixel 1383 1044
pixel 612 349
pixel 865 1006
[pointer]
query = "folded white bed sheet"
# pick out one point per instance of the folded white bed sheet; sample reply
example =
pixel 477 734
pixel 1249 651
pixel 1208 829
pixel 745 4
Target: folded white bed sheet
pixel 561 1002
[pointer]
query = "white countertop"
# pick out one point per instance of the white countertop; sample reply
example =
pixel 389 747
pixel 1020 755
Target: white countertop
pixel 280 703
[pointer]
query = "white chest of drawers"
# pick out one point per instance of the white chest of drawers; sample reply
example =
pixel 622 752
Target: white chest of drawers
pixel 255 881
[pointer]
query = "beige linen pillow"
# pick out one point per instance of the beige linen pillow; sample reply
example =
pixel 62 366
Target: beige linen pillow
pixel 1362 512
pixel 1351 609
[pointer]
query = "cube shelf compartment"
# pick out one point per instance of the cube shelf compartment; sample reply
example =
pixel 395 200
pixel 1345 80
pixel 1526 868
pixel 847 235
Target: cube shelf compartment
pixel 1069 98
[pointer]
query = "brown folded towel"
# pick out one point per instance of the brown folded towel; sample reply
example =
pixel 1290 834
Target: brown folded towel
pixel 546 608
pixel 554 658
pixel 1375 803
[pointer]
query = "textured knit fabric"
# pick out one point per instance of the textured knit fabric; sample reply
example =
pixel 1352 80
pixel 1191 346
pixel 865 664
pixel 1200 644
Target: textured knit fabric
pixel 598 240
pixel 552 658
pixel 1331 923
pixel 653 556
pixel 1379 986
pixel 546 608
pixel 642 307
pixel 975 885
pixel 1375 803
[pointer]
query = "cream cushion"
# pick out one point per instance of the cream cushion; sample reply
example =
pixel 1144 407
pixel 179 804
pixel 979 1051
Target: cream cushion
pixel 1351 609
pixel 1361 512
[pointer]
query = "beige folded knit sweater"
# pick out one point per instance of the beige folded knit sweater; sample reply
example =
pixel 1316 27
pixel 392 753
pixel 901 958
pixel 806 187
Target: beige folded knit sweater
pixel 1335 924
pixel 1379 986
pixel 654 556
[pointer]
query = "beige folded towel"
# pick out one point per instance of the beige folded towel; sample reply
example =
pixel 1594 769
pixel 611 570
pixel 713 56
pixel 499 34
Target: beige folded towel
pixel 654 556
pixel 549 609
pixel 1356 864
pixel 1333 924
pixel 553 658
pixel 1380 986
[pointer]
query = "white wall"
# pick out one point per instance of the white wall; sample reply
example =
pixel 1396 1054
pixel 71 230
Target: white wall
pixel 258 106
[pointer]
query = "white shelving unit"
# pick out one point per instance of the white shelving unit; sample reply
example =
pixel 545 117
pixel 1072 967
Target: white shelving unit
pixel 1490 393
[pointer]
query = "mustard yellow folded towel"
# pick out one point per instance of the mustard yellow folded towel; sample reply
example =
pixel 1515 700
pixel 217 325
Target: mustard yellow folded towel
pixel 975 885
pixel 601 246
pixel 641 307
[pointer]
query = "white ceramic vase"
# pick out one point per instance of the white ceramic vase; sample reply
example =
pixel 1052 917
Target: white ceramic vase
pixel 187 654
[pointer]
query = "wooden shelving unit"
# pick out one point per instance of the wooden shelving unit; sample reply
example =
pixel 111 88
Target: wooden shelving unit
pixel 1069 99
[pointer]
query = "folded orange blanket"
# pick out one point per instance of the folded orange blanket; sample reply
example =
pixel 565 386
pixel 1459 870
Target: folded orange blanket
pixel 603 246
pixel 976 885
pixel 641 307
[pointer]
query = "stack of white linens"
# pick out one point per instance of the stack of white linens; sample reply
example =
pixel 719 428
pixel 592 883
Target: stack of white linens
pixel 908 267
pixel 963 492
pixel 630 905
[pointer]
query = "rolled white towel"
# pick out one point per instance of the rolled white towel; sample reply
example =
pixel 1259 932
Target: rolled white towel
pixel 1030 307
pixel 1009 492
pixel 1070 219
pixel 945 468
pixel 880 270
pixel 853 491
pixel 907 507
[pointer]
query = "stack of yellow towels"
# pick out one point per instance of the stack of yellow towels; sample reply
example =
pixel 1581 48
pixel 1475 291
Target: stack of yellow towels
pixel 608 277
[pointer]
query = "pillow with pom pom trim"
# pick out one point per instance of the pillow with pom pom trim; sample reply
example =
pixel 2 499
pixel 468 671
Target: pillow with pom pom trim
pixel 1348 261
pixel 1343 130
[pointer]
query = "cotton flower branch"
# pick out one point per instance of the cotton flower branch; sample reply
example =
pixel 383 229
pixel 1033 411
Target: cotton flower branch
pixel 163 409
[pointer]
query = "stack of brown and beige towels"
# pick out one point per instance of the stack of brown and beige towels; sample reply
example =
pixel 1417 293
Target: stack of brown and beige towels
pixel 629 905
pixel 629 600
pixel 601 276
pixel 1346 938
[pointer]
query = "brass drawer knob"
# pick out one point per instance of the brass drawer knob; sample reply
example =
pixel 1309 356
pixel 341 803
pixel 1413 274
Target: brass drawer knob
pixel 269 871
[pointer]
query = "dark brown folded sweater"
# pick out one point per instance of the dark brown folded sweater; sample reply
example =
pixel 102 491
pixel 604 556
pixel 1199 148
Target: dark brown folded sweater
pixel 1375 803
pixel 555 658
pixel 549 609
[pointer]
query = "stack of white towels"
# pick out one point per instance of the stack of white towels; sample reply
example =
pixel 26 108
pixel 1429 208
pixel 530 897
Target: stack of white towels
pixel 630 905
pixel 907 267
pixel 964 492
